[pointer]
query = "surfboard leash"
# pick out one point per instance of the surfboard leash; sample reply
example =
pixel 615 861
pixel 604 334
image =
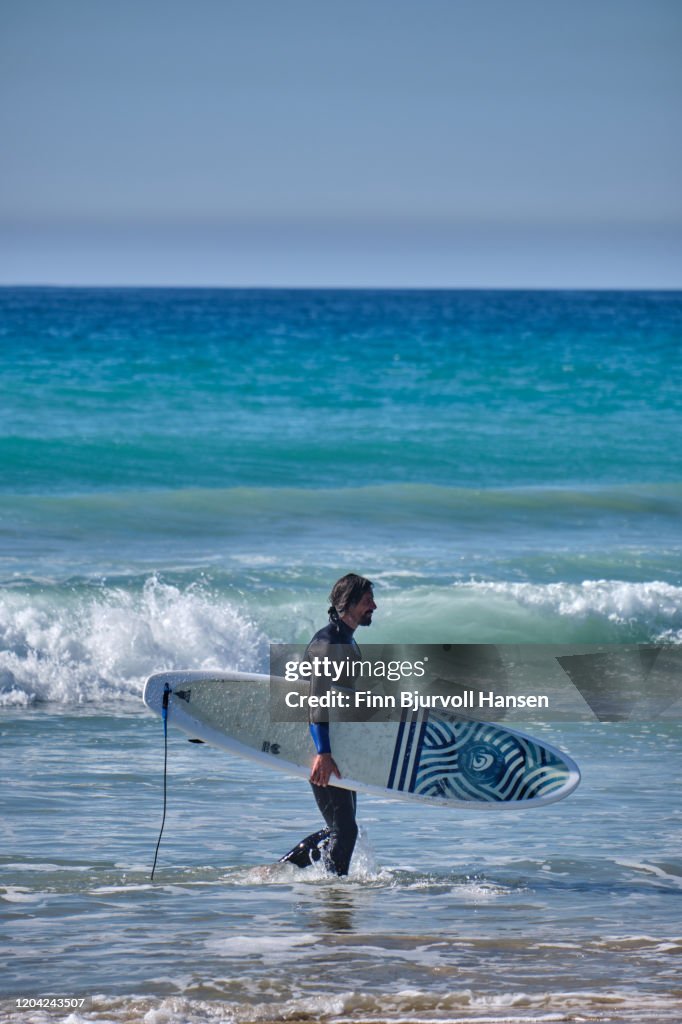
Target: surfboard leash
pixel 164 715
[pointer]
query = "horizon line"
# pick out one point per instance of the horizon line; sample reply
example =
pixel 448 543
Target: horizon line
pixel 5 286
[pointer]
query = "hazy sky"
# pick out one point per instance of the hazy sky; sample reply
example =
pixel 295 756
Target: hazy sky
pixel 364 142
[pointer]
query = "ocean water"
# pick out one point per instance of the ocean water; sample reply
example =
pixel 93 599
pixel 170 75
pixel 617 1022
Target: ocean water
pixel 183 474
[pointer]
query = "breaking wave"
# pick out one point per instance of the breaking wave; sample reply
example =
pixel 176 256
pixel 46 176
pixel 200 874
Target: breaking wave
pixel 75 644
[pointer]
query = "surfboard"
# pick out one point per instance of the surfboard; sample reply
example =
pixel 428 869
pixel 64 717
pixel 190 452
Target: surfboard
pixel 435 758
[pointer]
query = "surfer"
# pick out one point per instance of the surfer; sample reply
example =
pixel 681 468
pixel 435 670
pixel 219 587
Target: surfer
pixel 351 605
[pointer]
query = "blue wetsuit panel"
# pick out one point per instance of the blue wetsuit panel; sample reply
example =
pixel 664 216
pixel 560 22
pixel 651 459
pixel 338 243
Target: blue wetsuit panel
pixel 320 734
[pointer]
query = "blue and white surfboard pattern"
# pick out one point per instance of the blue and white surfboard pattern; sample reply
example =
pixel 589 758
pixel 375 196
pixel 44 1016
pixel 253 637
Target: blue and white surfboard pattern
pixel 472 761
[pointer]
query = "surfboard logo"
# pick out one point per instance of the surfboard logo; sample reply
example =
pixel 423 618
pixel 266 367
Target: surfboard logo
pixel 482 762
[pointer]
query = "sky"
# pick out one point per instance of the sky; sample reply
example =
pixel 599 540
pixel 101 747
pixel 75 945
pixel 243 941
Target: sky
pixel 369 143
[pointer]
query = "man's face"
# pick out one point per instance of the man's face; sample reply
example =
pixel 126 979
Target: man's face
pixel 362 611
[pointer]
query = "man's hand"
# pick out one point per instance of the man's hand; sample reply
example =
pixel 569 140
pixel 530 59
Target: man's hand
pixel 323 767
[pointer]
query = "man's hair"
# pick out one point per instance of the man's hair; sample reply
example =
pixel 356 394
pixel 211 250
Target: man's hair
pixel 347 591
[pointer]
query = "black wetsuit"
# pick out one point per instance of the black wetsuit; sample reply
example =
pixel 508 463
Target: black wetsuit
pixel 336 842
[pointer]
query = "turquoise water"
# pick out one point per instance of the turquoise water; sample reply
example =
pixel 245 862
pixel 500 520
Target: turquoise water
pixel 110 390
pixel 183 474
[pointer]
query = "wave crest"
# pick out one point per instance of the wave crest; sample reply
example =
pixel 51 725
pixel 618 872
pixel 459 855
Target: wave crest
pixel 80 648
pixel 85 644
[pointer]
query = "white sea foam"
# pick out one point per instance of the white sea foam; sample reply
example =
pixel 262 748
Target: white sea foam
pixel 600 611
pixel 461 1006
pixel 485 611
pixel 655 604
pixel 270 946
pixel 19 894
pixel 98 643
pixel 652 869
pixel 102 645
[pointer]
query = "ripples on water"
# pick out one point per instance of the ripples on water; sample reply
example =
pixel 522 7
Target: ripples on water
pixel 561 913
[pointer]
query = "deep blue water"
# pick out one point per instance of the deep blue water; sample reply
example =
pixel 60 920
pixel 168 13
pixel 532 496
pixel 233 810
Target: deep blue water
pixel 134 389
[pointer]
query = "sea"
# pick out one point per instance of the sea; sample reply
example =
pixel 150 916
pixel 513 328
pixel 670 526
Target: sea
pixel 183 475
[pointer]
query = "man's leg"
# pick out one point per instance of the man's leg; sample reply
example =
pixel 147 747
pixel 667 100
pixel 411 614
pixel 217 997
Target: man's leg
pixel 307 851
pixel 338 810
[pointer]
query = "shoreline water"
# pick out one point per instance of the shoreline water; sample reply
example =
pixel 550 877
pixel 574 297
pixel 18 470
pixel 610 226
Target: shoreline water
pixel 575 911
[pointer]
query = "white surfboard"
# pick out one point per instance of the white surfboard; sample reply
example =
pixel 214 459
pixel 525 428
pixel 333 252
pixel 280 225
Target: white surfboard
pixel 441 759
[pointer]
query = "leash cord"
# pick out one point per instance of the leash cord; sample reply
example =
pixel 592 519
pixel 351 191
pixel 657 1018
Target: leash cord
pixel 164 715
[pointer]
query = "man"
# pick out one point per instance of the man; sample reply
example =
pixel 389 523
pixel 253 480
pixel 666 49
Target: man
pixel 352 605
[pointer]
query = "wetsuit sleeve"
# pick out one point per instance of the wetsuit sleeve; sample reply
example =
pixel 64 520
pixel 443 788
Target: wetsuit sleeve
pixel 319 717
pixel 319 684
pixel 322 649
pixel 320 734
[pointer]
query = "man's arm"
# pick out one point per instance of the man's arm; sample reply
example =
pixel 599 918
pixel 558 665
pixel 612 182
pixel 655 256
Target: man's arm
pixel 324 765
